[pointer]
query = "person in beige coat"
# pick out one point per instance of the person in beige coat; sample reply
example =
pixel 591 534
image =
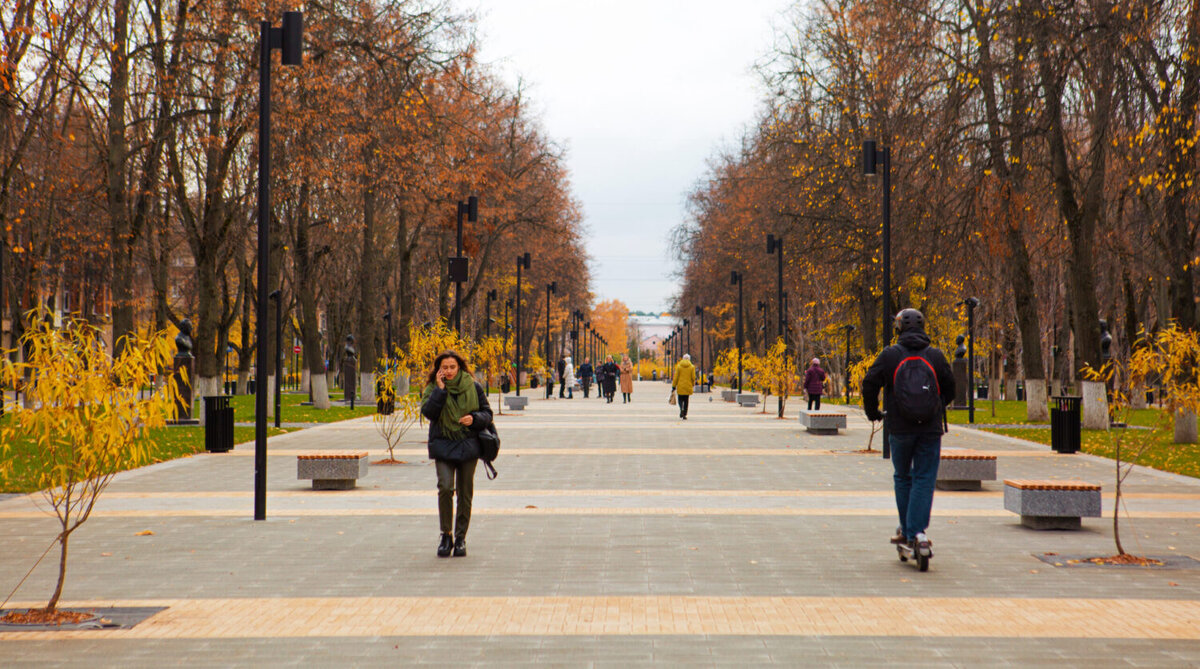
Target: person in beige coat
pixel 626 380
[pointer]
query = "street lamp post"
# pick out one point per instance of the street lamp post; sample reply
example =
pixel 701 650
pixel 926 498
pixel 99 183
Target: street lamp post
pixel 688 324
pixel 971 303
pixel 551 287
pixel 458 264
pixel 762 306
pixel 522 263
pixel 487 328
pixel 736 278
pixel 849 329
pixel 775 245
pixel 507 329
pixel 700 313
pixel 289 40
pixel 387 320
pixel 277 299
pixel 880 157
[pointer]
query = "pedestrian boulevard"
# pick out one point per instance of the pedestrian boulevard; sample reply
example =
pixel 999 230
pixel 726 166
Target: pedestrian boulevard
pixel 614 535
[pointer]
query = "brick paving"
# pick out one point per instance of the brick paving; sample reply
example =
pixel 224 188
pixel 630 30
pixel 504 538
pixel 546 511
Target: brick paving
pixel 615 535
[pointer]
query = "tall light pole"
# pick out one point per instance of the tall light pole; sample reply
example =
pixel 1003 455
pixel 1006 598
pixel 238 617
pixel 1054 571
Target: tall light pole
pixel 458 264
pixel 276 297
pixel 735 278
pixel 551 287
pixel 487 328
pixel 387 320
pixel 688 324
pixel 849 329
pixel 522 263
pixel 877 158
pixel 289 40
pixel 700 313
pixel 762 307
pixel 775 245
pixel 971 303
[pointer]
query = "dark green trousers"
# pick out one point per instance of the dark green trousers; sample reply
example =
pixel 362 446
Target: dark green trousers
pixel 455 477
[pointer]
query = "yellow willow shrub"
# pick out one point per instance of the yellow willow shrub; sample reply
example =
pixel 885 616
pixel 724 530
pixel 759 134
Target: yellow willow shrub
pixel 775 372
pixel 400 412
pixel 86 421
pixel 858 372
pixel 489 356
pixel 726 365
pixel 1172 358
pixel 426 343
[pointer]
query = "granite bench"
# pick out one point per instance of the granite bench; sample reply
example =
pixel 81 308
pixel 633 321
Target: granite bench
pixel 822 422
pixel 334 471
pixel 1052 505
pixel 516 403
pixel 747 399
pixel 965 470
pixel 729 395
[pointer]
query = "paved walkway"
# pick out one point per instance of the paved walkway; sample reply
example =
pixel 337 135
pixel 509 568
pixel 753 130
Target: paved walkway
pixel 615 535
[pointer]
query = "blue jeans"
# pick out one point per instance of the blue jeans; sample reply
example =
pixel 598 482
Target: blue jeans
pixel 915 458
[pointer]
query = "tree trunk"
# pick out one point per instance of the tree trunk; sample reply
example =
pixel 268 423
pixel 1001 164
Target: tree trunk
pixel 368 299
pixel 1185 427
pixel 116 157
pixel 63 539
pixel 311 349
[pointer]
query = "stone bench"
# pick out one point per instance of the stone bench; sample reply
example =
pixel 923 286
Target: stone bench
pixel 747 399
pixel 822 422
pixel 1052 505
pixel 729 395
pixel 965 470
pixel 334 471
pixel 516 403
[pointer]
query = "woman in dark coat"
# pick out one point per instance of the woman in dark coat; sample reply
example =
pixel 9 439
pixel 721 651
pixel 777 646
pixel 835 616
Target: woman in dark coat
pixel 814 384
pixel 611 372
pixel 457 409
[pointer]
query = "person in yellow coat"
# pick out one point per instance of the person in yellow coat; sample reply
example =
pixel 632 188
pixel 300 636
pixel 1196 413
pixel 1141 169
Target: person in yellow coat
pixel 683 382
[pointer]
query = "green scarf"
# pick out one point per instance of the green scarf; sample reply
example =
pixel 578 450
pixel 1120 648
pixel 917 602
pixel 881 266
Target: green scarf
pixel 461 399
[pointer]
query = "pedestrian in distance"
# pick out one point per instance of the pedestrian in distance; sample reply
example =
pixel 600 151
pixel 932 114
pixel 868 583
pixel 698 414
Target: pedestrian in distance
pixel 568 379
pixel 814 384
pixel 683 382
pixel 562 377
pixel 611 373
pixel 626 379
pixel 458 410
pixel 585 376
pixel 917 385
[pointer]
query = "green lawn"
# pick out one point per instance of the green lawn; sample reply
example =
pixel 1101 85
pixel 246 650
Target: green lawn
pixel 292 412
pixel 169 443
pixel 1153 448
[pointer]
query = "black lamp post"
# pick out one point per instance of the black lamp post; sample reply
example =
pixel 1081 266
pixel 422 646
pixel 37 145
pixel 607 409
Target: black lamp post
pixel 762 307
pixel 775 245
pixel 971 303
pixel 387 321
pixel 458 264
pixel 289 40
pixel 522 263
pixel 487 329
pixel 688 324
pixel 849 329
pixel 276 298
pixel 551 287
pixel 736 278
pixel 508 304
pixel 700 313
pixel 874 157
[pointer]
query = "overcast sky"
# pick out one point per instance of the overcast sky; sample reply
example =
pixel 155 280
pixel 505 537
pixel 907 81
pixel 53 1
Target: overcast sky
pixel 640 92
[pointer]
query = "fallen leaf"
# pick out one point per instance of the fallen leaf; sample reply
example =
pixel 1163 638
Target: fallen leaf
pixel 1172 584
pixel 1033 571
pixel 754 562
pixel 530 506
pixel 106 555
pixel 145 533
pixel 1049 553
pixel 906 580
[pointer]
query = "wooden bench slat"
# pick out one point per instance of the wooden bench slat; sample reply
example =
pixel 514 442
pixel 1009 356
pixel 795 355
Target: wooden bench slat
pixel 1032 484
pixel 332 456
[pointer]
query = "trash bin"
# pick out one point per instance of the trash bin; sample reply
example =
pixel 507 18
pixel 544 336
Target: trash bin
pixel 982 392
pixel 1020 392
pixel 1065 423
pixel 218 424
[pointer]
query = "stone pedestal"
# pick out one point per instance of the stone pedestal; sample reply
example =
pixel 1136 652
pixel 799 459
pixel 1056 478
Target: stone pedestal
pixel 1036 407
pixel 960 384
pixel 1095 405
pixel 1010 390
pixel 1185 427
pixel 185 366
pixel 349 378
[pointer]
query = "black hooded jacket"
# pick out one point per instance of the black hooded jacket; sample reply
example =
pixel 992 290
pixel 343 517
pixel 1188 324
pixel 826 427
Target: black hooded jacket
pixel 880 374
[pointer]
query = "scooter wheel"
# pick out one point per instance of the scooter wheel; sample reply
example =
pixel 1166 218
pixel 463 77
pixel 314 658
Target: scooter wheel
pixel 900 552
pixel 922 563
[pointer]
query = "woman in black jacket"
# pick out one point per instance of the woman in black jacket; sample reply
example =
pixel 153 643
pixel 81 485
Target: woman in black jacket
pixel 457 409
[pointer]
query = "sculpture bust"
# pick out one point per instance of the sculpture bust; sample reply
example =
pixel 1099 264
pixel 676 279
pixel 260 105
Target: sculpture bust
pixel 350 351
pixel 961 351
pixel 183 340
pixel 1105 342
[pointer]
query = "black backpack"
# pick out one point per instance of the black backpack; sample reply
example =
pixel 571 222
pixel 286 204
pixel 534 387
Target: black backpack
pixel 916 395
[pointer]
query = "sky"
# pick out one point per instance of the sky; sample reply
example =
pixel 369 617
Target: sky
pixel 640 93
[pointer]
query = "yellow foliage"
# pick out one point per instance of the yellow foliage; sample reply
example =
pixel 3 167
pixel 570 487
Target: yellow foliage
pixel 405 410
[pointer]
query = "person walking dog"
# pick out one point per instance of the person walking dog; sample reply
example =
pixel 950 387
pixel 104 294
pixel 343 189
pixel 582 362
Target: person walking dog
pixel 626 379
pixel 917 385
pixel 683 382
pixel 814 384
pixel 457 409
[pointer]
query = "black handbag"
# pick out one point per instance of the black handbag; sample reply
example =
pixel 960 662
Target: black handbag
pixel 489 449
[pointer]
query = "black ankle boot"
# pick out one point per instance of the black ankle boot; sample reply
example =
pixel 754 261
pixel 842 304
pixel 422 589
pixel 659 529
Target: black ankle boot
pixel 460 547
pixel 446 546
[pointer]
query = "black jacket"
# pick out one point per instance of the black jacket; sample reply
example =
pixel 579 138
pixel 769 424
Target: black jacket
pixel 880 374
pixel 584 372
pixel 455 450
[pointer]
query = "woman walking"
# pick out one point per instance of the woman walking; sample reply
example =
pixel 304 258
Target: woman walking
pixel 626 380
pixel 683 381
pixel 814 384
pixel 611 372
pixel 457 409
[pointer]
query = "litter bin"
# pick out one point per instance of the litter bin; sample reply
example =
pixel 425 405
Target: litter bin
pixel 1065 423
pixel 1020 392
pixel 982 392
pixel 218 424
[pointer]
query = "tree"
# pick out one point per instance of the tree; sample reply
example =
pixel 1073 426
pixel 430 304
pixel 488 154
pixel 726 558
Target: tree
pixel 403 411
pixel 87 420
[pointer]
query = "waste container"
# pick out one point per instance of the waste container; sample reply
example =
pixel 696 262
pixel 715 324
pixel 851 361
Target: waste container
pixel 218 424
pixel 982 392
pixel 1020 392
pixel 1065 423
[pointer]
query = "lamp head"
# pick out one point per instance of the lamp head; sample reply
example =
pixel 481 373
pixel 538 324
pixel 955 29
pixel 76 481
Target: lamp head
pixel 274 295
pixel 552 287
pixel 524 260
pixel 293 38
pixel 972 302
pixel 734 277
pixel 699 310
pixel 491 295
pixel 869 157
pixel 473 209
